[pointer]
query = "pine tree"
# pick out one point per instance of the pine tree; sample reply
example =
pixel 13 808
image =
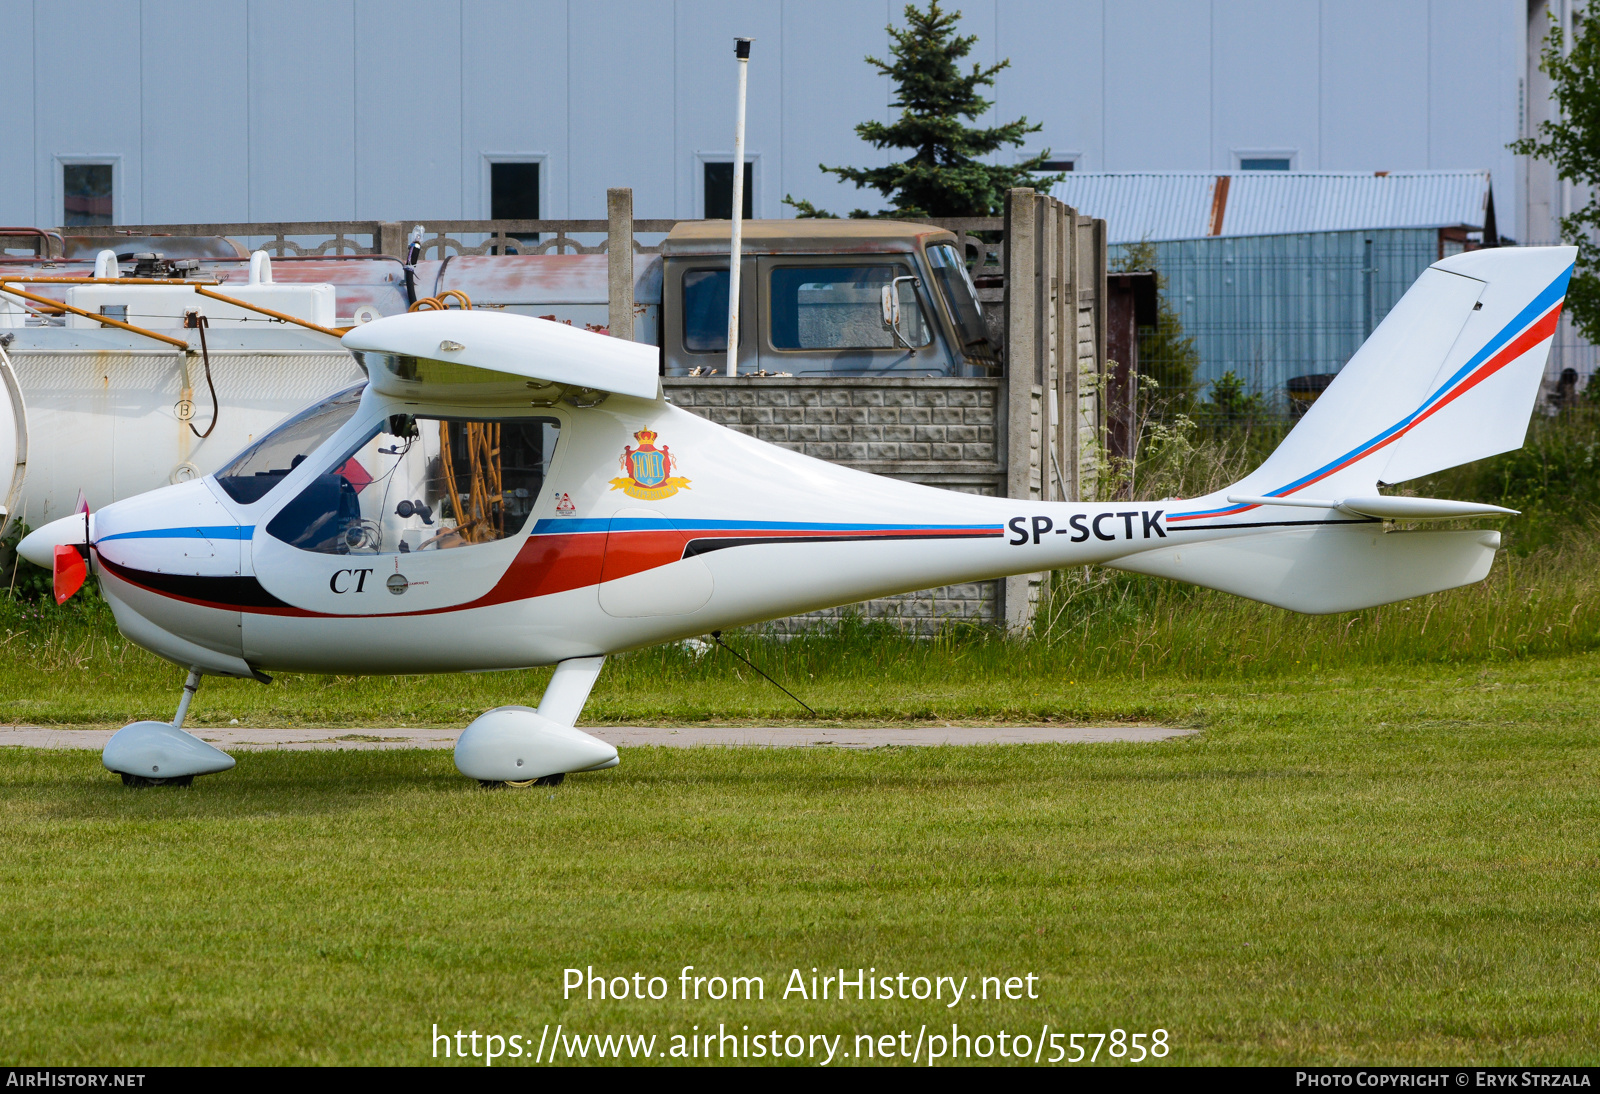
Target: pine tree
pixel 1572 144
pixel 943 177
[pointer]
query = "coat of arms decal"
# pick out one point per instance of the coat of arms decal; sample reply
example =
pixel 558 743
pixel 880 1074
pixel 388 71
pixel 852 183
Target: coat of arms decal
pixel 648 470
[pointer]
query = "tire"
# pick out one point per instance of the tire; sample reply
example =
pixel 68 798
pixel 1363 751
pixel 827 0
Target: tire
pixel 140 782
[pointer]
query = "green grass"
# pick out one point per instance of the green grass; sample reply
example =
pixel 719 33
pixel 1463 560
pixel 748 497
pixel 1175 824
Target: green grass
pixel 1395 864
pixel 1379 849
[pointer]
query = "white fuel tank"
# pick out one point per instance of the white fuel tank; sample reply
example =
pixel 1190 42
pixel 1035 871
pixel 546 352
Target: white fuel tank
pixel 163 306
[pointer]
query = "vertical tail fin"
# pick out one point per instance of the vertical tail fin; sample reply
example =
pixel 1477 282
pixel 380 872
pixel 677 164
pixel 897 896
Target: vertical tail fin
pixel 1449 376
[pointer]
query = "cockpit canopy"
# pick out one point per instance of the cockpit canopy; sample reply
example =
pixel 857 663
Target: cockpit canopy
pixel 411 482
pixel 251 474
pixel 419 483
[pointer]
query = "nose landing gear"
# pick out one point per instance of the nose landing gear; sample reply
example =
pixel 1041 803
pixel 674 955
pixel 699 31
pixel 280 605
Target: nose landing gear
pixel 149 754
pixel 517 784
pixel 139 782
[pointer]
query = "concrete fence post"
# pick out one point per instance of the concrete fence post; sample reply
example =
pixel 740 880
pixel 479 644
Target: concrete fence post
pixel 1071 388
pixel 1044 326
pixel 1065 332
pixel 1022 304
pixel 389 238
pixel 1098 276
pixel 619 260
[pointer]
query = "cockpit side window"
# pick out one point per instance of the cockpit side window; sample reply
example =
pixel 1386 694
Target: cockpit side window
pixel 424 484
pixel 263 465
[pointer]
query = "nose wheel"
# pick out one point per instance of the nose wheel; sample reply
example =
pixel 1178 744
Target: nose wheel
pixel 148 754
pixel 549 780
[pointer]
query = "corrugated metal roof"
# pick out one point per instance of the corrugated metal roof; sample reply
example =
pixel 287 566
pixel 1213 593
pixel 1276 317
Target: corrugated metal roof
pixel 1165 205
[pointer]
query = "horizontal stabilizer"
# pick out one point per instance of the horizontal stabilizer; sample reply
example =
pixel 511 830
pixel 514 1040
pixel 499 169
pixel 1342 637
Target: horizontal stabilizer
pixel 1421 508
pixel 1321 569
pixel 1386 508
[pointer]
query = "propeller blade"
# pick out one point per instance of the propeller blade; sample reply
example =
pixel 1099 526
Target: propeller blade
pixel 70 572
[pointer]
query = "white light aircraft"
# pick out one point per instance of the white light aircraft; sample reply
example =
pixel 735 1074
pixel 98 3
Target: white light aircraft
pixel 506 492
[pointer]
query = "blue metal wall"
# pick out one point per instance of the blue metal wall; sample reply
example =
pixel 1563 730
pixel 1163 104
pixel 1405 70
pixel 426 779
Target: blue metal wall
pixel 1271 307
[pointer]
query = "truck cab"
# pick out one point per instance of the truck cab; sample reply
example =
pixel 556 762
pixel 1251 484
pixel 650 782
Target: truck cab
pixel 835 297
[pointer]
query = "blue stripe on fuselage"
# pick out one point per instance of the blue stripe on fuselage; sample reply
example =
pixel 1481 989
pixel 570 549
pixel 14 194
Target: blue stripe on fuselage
pixel 222 531
pixel 573 525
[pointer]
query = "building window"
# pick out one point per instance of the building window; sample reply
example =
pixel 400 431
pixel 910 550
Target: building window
pixel 719 190
pixel 1055 167
pixel 86 196
pixel 1264 163
pixel 514 191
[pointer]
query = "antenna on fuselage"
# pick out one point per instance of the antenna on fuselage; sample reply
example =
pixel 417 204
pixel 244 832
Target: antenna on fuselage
pixel 717 637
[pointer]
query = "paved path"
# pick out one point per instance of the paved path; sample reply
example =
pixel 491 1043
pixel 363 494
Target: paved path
pixel 241 737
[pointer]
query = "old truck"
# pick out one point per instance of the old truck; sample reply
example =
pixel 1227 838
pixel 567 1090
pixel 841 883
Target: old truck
pixel 823 297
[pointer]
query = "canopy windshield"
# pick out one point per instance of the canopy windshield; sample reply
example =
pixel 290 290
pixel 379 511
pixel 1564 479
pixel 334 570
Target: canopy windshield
pixel 259 468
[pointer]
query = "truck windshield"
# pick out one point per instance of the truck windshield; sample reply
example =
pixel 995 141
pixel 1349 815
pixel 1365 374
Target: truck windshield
pixel 962 296
pixel 263 465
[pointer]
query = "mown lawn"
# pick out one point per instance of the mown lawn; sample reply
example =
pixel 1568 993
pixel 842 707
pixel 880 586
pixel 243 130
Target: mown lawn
pixel 1381 863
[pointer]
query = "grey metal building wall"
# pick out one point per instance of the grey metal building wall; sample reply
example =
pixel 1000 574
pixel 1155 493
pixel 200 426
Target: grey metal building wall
pixel 257 110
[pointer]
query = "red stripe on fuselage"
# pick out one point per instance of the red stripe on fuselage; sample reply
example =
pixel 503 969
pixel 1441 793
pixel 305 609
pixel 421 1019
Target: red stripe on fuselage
pixel 635 551
pixel 546 565
pixel 549 564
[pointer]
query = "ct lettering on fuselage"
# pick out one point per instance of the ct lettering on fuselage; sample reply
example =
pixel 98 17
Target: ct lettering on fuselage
pixel 348 581
pixel 1128 524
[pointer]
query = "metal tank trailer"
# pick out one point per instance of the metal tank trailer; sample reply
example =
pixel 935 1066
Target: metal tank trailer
pixel 118 380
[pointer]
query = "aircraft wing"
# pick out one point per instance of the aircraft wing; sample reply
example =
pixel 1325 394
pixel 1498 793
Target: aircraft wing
pixel 494 357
